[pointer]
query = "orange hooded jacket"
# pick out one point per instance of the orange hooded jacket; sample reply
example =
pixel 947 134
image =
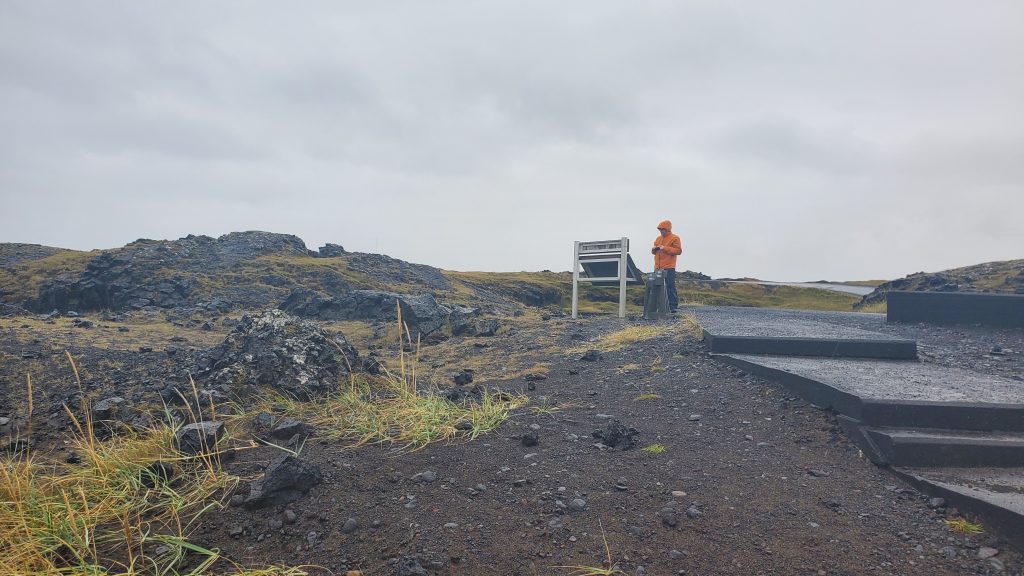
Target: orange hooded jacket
pixel 671 247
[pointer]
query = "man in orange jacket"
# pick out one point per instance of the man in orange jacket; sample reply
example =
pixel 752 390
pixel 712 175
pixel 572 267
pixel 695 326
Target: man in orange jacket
pixel 666 247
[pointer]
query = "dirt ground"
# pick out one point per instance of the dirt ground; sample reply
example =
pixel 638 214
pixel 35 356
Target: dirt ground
pixel 750 480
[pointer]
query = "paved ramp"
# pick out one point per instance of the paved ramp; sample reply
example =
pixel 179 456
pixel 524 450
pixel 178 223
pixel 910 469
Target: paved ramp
pixel 799 333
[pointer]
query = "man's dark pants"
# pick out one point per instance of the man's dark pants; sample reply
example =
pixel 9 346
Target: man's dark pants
pixel 670 284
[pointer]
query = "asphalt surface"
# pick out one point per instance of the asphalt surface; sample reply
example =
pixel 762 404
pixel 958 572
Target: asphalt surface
pixel 777 323
pixel 899 380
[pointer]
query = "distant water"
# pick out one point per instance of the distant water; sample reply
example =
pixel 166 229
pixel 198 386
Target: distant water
pixel 858 290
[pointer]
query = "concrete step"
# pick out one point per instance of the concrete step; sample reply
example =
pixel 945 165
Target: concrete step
pixel 887 393
pixel 799 333
pixel 942 448
pixel 994 494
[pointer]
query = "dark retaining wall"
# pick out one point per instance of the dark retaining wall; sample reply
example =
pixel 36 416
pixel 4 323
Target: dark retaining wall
pixel 957 308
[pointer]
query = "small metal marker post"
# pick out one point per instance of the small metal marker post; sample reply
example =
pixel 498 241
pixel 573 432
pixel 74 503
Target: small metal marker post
pixel 596 256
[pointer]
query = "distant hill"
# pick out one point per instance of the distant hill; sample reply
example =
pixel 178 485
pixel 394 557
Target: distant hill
pixel 1006 277
pixel 252 270
pixel 240 270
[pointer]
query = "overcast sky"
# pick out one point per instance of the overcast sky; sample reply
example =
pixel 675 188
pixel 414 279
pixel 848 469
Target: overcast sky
pixel 785 140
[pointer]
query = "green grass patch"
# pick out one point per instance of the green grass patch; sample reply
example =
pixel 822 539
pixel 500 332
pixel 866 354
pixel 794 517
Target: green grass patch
pixel 655 449
pixel 764 296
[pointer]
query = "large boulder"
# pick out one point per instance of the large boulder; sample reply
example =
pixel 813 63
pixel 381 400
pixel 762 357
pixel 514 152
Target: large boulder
pixel 281 351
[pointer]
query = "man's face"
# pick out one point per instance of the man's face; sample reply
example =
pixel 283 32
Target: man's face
pixel 664 231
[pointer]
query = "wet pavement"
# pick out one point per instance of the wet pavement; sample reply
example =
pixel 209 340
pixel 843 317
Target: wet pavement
pixel 899 380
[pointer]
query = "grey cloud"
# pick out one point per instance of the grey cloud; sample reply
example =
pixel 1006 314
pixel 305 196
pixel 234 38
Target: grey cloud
pixel 787 140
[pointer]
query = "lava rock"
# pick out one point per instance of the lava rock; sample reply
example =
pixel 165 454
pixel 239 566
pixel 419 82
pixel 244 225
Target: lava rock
pixel 421 313
pixel 409 566
pixel 289 428
pixel 296 357
pixel 262 422
pixel 464 377
pixel 591 356
pixel 617 435
pixel 285 480
pixel 199 437
pixel 113 408
pixel 530 439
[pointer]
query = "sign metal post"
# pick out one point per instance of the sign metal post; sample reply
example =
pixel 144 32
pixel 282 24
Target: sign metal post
pixel 595 258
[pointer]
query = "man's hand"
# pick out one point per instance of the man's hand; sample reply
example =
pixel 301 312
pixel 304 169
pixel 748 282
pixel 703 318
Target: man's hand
pixel 655 249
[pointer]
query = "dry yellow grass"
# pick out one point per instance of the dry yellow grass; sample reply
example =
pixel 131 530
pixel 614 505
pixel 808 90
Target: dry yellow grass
pixel 628 336
pixel 131 495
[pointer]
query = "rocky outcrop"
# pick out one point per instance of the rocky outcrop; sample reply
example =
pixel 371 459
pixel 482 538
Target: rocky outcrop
pixel 331 250
pixel 282 352
pixel 111 281
pixel 421 313
pixel 1006 277
pixel 167 274
pixel 13 253
pixel 387 271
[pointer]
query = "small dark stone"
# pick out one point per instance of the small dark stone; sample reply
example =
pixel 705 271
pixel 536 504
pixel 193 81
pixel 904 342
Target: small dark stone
pixel 289 428
pixel 616 435
pixel 591 356
pixel 262 421
pixel 350 526
pixel 669 517
pixel 156 474
pixel 427 476
pixel 199 437
pixel 409 566
pixel 285 480
pixel 530 439
pixel 464 377
pixel 110 408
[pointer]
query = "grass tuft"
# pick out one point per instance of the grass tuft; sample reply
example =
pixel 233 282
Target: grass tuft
pixel 655 449
pixel 608 566
pixel 648 396
pixel 964 526
pixel 628 336
pixel 128 508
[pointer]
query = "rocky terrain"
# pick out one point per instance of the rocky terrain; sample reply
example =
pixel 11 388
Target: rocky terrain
pixel 489 434
pixel 679 464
